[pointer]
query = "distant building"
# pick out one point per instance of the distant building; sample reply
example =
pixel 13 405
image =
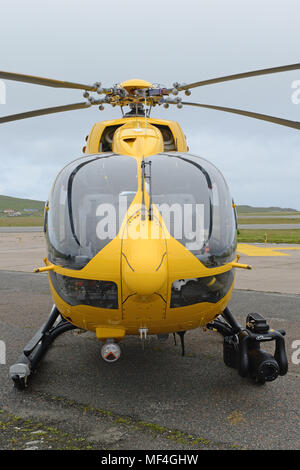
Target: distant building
pixel 11 213
pixel 30 210
pixel 14 214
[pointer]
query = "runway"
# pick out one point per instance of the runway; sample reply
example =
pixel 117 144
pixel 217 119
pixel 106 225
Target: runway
pixel 20 229
pixel 151 398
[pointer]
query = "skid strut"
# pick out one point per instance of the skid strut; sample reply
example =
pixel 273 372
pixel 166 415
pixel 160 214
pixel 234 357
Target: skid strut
pixel 37 347
pixel 242 349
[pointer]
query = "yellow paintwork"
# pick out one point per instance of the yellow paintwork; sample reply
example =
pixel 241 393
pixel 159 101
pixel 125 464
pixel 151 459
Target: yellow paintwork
pixel 254 250
pixel 93 142
pixel 131 139
pixel 143 268
pixel 135 83
pixel 240 265
pixel 103 333
pixel 49 267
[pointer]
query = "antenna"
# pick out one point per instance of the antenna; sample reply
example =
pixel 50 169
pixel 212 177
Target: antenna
pixel 148 177
pixel 145 114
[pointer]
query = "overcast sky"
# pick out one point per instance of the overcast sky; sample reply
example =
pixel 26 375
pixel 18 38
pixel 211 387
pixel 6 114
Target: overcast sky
pixel 161 42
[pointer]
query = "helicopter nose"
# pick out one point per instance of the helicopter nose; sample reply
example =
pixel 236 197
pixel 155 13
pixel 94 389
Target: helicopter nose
pixel 144 265
pixel 144 270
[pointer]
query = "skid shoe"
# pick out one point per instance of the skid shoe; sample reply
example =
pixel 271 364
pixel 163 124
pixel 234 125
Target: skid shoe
pixel 242 347
pixel 37 347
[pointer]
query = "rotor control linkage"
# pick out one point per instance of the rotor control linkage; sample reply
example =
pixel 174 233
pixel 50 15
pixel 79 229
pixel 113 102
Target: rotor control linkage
pixel 37 347
pixel 138 91
pixel 242 347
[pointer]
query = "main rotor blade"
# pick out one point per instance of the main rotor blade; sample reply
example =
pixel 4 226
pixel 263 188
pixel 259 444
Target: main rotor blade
pixel 44 81
pixel 262 117
pixel 41 112
pixel 284 68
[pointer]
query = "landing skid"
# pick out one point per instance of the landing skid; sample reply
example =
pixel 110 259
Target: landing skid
pixel 241 348
pixel 242 351
pixel 37 347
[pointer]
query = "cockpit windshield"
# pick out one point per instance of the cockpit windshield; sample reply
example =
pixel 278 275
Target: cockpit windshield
pixel 90 198
pixel 195 203
pixel 88 202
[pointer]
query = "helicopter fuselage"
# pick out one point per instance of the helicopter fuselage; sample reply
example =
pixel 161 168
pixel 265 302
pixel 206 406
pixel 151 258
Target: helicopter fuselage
pixel 142 234
pixel 143 277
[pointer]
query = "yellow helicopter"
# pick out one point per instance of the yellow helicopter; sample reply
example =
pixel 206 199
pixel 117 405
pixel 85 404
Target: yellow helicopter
pixel 141 233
